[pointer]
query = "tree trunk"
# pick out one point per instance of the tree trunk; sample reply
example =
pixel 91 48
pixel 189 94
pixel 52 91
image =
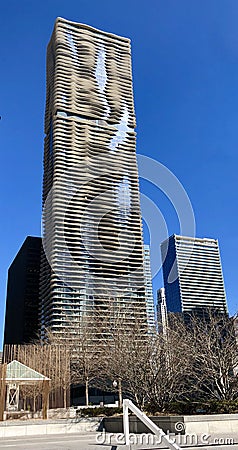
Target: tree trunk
pixel 65 398
pixel 34 403
pixel 3 369
pixel 120 393
pixel 86 392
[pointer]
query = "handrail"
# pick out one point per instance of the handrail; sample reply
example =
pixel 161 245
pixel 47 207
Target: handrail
pixel 127 404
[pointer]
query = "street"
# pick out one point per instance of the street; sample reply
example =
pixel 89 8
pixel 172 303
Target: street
pixel 48 442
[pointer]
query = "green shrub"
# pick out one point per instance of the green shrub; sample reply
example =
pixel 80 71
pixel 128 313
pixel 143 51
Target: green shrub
pixel 98 411
pixel 199 407
pixel 203 407
pixel 180 408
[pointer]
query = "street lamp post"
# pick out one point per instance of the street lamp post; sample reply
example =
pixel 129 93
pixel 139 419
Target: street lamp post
pixel 115 384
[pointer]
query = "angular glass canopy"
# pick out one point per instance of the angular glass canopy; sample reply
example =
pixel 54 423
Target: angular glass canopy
pixel 17 371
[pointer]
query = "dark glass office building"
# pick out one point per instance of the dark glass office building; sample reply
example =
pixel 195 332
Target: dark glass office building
pixel 22 305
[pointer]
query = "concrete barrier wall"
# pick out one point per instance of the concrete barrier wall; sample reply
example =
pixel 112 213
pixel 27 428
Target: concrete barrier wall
pixel 29 429
pixel 210 424
pixel 167 423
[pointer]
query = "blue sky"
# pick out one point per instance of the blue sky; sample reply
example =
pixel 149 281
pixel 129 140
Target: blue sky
pixel 185 67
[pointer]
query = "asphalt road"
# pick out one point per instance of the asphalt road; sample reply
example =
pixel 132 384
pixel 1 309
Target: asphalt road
pixel 56 442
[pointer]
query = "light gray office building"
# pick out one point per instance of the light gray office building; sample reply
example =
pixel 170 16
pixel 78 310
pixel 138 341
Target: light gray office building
pixel 150 309
pixel 192 272
pixel 162 315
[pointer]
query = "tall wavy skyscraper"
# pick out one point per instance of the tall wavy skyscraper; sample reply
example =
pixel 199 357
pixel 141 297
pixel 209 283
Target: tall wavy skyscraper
pixel 92 232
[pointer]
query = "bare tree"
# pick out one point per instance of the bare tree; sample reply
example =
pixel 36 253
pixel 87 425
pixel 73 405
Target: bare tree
pixel 117 350
pixel 51 360
pixel 198 359
pixel 85 357
pixel 80 344
pixel 212 339
pixel 158 365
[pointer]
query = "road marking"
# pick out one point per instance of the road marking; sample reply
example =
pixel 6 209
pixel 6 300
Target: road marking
pixel 36 436
pixel 33 443
pixel 43 440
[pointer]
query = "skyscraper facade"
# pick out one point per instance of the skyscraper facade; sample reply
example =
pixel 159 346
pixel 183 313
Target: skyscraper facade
pixel 148 289
pixel 92 233
pixel 192 272
pixel 22 304
pixel 162 316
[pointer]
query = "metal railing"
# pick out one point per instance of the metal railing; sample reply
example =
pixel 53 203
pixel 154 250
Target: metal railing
pixel 128 405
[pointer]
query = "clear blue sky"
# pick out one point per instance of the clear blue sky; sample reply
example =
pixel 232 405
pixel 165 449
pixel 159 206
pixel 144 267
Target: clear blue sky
pixel 185 66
